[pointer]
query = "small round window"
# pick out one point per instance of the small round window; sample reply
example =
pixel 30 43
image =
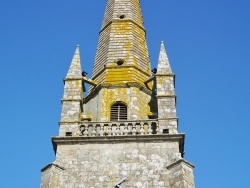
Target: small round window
pixel 120 62
pixel 122 16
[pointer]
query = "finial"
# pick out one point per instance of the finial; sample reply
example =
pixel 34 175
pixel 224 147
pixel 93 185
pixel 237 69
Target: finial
pixel 75 70
pixel 163 63
pixel 77 51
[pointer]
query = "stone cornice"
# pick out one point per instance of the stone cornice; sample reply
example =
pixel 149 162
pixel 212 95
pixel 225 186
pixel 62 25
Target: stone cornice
pixel 173 118
pixel 179 162
pixel 119 67
pixel 127 66
pixel 69 122
pixel 111 122
pixel 50 165
pixel 170 74
pixel 163 96
pixel 119 139
pixel 71 100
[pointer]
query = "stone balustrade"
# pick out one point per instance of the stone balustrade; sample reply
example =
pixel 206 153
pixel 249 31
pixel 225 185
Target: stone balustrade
pixel 145 127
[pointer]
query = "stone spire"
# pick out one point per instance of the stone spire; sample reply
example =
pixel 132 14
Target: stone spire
pixel 121 69
pixel 75 70
pixel 163 62
pixel 122 48
pixel 73 96
pixel 128 119
pixel 125 9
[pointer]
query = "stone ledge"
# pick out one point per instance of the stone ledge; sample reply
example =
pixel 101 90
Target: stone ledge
pixel 173 165
pixel 119 139
pixel 163 96
pixel 50 165
pixel 105 67
pixel 67 99
pixel 169 118
pixel 169 74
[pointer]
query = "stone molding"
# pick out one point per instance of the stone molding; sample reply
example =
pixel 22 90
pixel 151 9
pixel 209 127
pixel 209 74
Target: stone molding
pixel 169 74
pixel 118 67
pixel 173 165
pixel 163 96
pixel 114 139
pixel 50 165
pixel 72 100
pixel 119 139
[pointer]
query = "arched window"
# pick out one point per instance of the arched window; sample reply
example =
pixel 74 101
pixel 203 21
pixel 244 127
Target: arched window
pixel 118 112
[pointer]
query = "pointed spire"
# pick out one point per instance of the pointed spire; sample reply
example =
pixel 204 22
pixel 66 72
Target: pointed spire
pixel 163 62
pixel 125 9
pixel 122 43
pixel 75 70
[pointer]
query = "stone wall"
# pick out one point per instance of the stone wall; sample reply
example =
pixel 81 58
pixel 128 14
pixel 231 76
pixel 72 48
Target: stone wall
pixel 92 165
pixel 139 103
pixel 51 176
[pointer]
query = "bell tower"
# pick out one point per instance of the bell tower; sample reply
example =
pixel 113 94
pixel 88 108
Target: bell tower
pixel 124 133
pixel 121 65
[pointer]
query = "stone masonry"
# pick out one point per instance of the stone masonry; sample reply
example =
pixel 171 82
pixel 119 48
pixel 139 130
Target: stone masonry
pixel 124 133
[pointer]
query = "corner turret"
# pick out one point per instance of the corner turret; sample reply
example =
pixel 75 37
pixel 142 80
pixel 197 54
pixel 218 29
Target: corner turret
pixel 166 98
pixel 73 97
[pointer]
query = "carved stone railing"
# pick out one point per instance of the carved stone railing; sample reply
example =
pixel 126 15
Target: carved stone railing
pixel 144 127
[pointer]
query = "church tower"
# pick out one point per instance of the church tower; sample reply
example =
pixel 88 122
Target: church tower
pixel 124 133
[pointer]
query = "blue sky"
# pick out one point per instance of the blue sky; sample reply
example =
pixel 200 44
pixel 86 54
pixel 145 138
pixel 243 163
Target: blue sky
pixel 208 44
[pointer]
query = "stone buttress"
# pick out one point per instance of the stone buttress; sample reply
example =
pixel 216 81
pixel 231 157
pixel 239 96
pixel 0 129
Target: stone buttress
pixel 124 133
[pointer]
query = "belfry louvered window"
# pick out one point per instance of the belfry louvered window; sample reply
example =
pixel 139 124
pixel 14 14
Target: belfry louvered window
pixel 118 112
